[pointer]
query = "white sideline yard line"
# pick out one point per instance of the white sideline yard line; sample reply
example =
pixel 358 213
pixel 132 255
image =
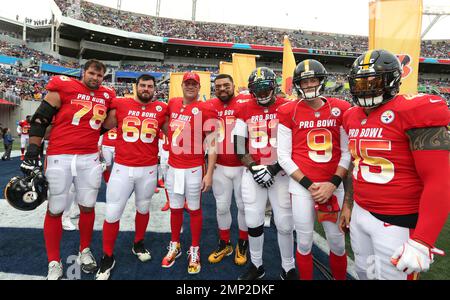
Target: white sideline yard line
pixel 159 221
pixel 13 276
pixel 322 244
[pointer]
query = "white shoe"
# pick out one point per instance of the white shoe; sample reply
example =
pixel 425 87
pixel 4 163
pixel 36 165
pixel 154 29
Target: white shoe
pixel 55 270
pixel 141 252
pixel 67 224
pixel 87 261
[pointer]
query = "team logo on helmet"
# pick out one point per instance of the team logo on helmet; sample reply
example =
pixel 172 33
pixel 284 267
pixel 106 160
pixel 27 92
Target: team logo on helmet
pixel 158 108
pixel 106 95
pixel 387 117
pixel 335 111
pixel 195 111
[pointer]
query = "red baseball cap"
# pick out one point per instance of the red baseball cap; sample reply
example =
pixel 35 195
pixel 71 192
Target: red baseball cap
pixel 191 76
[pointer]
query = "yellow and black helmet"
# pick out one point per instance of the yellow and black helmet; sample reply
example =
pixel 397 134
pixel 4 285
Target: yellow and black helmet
pixel 375 78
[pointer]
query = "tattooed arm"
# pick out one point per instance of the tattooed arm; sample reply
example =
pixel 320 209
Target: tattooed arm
pixel 430 149
pixel 344 220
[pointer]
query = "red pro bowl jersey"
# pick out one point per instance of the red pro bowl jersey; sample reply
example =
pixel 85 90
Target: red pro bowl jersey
pixel 316 147
pixel 25 126
pixel 76 126
pixel 188 126
pixel 165 141
pixel 138 128
pixel 385 180
pixel 262 126
pixel 227 117
pixel 110 138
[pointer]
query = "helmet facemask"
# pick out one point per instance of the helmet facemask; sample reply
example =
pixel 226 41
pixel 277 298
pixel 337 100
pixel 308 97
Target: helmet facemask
pixel 306 93
pixel 263 90
pixel 370 89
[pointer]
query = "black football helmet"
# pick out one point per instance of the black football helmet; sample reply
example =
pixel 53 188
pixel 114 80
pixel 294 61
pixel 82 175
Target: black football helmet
pixel 262 84
pixel 27 193
pixel 310 68
pixel 375 78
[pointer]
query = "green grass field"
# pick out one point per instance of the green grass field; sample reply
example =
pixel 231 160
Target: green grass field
pixel 440 269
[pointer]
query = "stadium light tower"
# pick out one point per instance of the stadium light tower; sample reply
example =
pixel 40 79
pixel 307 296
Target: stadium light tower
pixel 194 9
pixel 119 5
pixel 158 7
pixel 439 12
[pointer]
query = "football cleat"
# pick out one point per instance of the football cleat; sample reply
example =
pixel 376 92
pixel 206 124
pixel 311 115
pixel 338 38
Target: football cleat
pixel 290 275
pixel 194 266
pixel 223 249
pixel 55 270
pixel 106 265
pixel 141 252
pixel 173 253
pixel 253 273
pixel 240 258
pixel 87 261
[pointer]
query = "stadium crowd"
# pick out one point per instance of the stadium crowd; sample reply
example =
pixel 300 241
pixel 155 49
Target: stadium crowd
pixel 101 15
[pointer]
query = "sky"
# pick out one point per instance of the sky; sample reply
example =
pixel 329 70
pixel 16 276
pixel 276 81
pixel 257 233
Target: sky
pixel 338 16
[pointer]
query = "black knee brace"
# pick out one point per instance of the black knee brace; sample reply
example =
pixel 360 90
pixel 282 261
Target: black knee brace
pixel 256 231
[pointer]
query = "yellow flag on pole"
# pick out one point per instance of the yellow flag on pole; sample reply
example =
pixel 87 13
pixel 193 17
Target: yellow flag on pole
pixel 397 28
pixel 243 65
pixel 175 90
pixel 176 79
pixel 372 6
pixel 205 85
pixel 226 68
pixel 288 67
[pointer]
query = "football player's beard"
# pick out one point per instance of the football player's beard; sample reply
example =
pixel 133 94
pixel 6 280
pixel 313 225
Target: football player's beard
pixel 145 99
pixel 91 85
pixel 226 98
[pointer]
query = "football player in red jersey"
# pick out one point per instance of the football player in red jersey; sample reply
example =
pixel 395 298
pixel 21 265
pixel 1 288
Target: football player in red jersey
pixel 78 109
pixel 312 149
pixel 255 144
pixel 108 145
pixel 192 123
pixel 228 173
pixel 23 131
pixel 139 121
pixel 400 149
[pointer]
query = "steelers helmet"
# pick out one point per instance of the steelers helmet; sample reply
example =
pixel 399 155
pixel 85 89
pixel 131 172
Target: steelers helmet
pixel 262 84
pixel 375 78
pixel 26 193
pixel 309 68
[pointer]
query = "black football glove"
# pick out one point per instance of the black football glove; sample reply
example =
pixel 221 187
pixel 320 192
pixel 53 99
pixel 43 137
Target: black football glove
pixel 31 163
pixel 261 175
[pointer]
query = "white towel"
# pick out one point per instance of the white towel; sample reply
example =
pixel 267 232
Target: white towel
pixel 178 175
